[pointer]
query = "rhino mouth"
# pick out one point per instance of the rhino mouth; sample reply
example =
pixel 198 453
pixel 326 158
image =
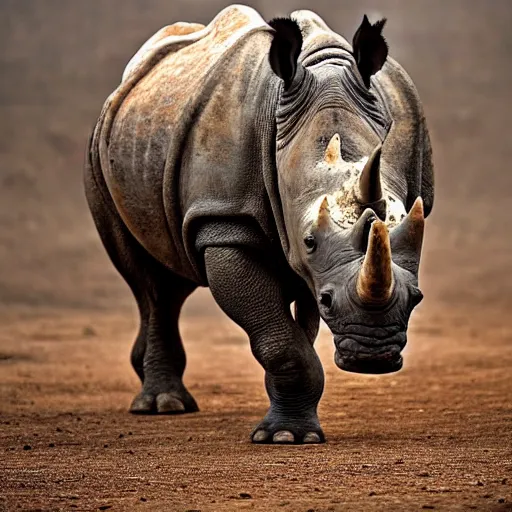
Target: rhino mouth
pixel 362 354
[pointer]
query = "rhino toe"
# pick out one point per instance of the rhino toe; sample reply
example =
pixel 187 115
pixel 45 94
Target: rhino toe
pixel 169 404
pixel 260 436
pixel 283 437
pixel 311 438
pixel 142 404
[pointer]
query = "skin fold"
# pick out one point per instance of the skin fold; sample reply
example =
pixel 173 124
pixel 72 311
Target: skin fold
pixel 274 163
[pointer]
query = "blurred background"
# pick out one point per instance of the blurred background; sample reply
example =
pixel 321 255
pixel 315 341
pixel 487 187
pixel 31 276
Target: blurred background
pixel 436 434
pixel 59 60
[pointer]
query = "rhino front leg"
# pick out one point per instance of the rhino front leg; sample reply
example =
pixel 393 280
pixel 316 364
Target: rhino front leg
pixel 245 285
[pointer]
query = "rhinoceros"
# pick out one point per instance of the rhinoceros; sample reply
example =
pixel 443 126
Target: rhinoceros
pixel 278 165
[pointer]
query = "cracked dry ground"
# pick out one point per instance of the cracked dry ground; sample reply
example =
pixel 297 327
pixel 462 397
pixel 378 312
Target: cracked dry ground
pixel 437 435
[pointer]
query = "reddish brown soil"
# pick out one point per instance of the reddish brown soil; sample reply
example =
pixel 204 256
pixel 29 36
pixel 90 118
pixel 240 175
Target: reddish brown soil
pixel 437 435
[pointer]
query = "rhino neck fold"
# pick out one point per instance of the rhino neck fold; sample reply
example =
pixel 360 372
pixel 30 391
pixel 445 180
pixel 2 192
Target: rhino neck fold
pixel 294 106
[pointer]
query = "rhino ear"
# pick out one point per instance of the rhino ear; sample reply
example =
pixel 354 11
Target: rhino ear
pixel 370 48
pixel 285 49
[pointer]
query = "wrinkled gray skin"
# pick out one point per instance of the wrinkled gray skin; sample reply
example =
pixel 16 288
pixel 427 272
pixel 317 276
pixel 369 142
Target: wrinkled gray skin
pixel 206 168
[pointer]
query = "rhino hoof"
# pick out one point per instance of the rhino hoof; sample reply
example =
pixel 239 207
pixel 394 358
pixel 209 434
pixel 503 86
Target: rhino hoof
pixel 285 437
pixel 162 403
pixel 275 429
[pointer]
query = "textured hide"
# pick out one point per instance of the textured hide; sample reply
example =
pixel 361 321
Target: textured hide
pixel 190 136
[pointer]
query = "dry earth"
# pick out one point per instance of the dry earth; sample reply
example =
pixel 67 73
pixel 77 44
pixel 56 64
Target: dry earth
pixel 437 435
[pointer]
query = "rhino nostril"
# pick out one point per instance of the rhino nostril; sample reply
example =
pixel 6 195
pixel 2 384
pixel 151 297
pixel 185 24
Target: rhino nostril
pixel 326 299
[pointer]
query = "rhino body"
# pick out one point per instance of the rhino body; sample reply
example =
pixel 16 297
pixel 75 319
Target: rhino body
pixel 204 168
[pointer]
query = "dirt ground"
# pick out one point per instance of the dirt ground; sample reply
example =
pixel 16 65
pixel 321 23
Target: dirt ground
pixel 436 435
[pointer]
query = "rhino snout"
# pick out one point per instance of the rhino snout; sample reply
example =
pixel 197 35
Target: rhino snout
pixel 360 352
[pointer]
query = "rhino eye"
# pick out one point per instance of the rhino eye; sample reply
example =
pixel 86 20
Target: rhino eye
pixel 310 243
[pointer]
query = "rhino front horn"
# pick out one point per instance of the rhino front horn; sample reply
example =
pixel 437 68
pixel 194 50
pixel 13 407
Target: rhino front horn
pixel 407 238
pixel 370 189
pixel 375 279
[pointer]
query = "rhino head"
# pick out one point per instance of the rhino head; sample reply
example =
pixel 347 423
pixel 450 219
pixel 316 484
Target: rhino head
pixel 365 278
pixel 349 234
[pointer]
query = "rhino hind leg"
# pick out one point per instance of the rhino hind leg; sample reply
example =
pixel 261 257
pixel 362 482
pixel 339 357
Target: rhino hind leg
pixel 293 373
pixel 157 356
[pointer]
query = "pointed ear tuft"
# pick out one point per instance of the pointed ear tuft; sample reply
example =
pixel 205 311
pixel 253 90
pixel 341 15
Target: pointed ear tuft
pixel 285 49
pixel 370 48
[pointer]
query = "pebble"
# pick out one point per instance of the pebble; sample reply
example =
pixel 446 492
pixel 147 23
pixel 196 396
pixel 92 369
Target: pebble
pixel 88 331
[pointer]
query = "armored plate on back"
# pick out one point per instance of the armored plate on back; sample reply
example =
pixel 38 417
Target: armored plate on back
pixel 274 163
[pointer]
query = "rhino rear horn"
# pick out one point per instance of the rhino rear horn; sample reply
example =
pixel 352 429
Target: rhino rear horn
pixel 370 188
pixel 333 151
pixel 375 279
pixel 407 238
pixel 361 230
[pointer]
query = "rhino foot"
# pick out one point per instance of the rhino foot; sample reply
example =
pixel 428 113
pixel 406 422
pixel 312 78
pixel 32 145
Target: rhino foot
pixel 287 432
pixel 163 403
